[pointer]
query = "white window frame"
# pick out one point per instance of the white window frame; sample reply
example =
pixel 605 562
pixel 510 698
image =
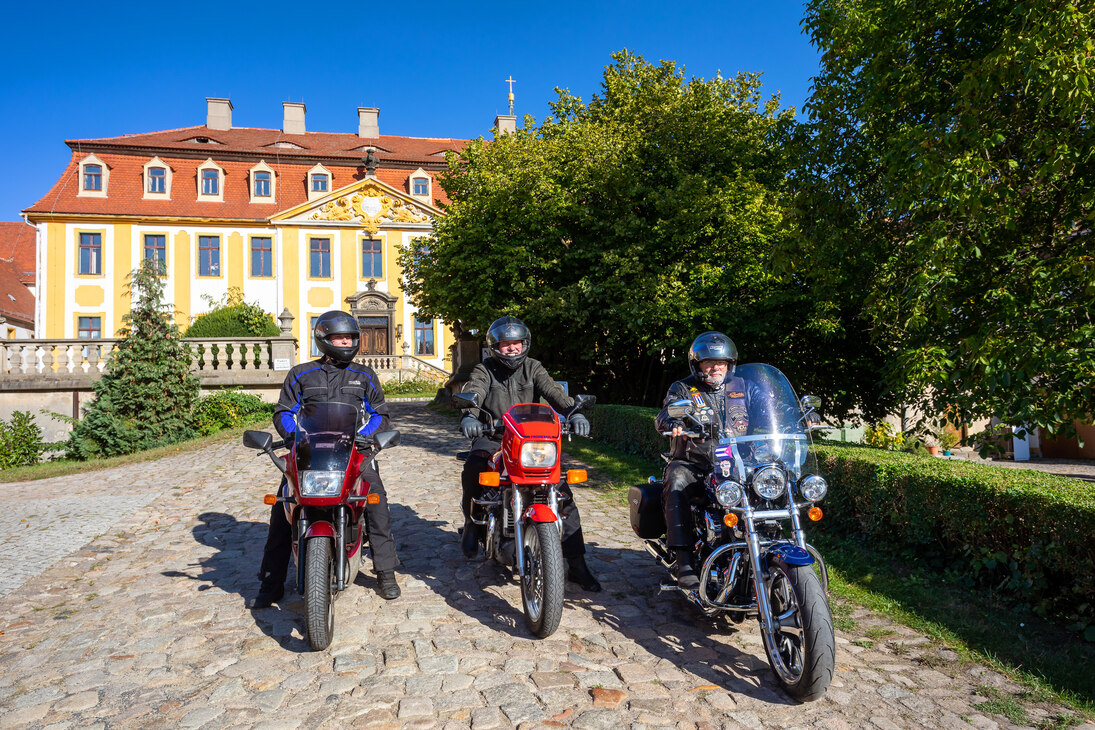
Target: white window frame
pixel 166 194
pixel 104 177
pixel 210 165
pixel 262 167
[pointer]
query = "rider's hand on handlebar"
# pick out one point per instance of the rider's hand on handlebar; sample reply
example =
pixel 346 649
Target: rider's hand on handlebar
pixel 470 426
pixel 579 425
pixel 674 427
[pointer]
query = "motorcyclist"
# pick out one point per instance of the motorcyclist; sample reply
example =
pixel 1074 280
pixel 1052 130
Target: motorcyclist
pixel 332 378
pixel 711 358
pixel 509 377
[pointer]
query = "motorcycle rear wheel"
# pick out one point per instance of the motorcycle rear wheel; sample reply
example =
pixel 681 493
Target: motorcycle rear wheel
pixel 542 585
pixel 319 605
pixel 803 650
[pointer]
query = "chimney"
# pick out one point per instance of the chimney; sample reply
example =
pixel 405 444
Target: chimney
pixel 505 124
pixel 368 122
pixel 294 118
pixel 218 114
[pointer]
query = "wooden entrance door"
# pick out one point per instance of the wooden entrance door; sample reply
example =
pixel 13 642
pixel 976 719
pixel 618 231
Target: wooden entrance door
pixel 374 335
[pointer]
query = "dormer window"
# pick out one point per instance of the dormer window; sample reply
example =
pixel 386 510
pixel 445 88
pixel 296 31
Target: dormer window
pixel 210 181
pixel 320 182
pixel 263 183
pixel 419 184
pixel 157 180
pixel 94 176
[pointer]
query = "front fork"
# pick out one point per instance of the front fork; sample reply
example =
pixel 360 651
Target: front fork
pixel 518 523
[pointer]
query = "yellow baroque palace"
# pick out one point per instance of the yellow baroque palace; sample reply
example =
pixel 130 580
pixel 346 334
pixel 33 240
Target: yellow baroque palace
pixel 296 220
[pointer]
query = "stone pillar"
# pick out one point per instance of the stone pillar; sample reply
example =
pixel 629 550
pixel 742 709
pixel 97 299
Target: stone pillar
pixel 283 351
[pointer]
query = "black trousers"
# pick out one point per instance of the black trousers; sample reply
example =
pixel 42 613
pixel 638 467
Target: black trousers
pixel 683 483
pixel 279 538
pixel 573 542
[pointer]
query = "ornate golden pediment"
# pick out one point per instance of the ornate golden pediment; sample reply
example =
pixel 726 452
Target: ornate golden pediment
pixel 372 206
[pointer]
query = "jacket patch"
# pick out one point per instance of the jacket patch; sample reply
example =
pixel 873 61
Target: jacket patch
pixel 735 395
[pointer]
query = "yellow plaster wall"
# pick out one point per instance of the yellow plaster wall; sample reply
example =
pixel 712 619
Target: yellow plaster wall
pixel 182 277
pixel 234 258
pixel 123 264
pixel 55 280
pixel 89 295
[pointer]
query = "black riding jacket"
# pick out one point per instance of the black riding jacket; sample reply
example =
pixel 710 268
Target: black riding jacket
pixel 500 388
pixel 324 381
pixel 730 403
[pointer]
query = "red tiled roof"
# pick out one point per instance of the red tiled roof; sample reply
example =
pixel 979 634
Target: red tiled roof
pixel 16 301
pixel 239 150
pixel 17 247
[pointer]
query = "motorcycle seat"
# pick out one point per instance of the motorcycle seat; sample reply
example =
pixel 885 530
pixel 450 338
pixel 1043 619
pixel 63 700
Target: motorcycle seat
pixel 462 455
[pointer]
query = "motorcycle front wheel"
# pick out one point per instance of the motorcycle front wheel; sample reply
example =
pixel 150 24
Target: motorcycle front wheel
pixel 542 584
pixel 802 648
pixel 319 578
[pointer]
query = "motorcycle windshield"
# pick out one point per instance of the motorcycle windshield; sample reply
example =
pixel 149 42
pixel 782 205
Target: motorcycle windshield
pixel 325 436
pixel 775 432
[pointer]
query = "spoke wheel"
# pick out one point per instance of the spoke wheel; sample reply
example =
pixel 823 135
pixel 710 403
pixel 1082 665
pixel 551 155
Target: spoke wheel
pixel 801 648
pixel 542 584
pixel 319 581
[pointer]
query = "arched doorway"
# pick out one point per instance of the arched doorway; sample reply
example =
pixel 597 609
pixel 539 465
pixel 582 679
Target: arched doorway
pixel 375 313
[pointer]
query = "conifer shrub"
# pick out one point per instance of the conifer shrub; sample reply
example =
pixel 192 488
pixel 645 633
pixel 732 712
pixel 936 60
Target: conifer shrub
pixel 146 395
pixel 233 317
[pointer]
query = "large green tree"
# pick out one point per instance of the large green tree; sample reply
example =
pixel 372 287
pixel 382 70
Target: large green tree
pixel 622 227
pixel 949 178
pixel 147 394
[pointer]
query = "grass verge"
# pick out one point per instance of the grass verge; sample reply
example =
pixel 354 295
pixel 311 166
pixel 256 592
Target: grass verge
pixel 1052 663
pixel 64 467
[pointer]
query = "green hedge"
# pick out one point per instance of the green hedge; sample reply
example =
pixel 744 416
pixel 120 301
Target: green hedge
pixel 239 320
pixel 1020 531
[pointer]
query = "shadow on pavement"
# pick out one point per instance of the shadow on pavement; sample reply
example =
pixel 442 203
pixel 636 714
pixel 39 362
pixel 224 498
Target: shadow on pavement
pixel 233 568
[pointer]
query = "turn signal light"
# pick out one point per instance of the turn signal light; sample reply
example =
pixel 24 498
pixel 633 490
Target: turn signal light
pixel 373 499
pixel 270 499
pixel 814 513
pixel 576 476
pixel 490 478
pixel 730 519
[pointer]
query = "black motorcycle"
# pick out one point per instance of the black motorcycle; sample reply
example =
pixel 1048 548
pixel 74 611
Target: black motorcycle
pixel 750 565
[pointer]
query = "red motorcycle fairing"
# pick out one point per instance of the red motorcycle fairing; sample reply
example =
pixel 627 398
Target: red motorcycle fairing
pixel 320 529
pixel 540 513
pixel 530 422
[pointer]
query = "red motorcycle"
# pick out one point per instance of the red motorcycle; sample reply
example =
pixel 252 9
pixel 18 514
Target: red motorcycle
pixel 326 503
pixel 519 506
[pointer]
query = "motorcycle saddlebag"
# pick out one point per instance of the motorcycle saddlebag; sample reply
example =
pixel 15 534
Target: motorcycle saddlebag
pixel 647 515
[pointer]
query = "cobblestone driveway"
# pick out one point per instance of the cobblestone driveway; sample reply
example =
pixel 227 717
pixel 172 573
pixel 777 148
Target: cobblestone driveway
pixel 146 625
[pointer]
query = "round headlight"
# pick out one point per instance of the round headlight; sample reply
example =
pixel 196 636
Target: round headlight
pixel 813 488
pixel 729 494
pixel 769 482
pixel 538 454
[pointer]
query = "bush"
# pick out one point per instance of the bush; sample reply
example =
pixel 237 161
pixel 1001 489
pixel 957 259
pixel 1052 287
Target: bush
pixel 20 441
pixel 226 409
pixel 1023 532
pixel 233 317
pixel 415 386
pixel 884 436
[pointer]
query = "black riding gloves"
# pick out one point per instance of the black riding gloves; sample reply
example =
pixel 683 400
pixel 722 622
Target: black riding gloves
pixel 471 427
pixel 579 425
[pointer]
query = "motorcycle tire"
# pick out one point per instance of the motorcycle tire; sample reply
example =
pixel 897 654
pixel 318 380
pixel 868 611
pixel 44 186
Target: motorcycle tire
pixel 803 651
pixel 542 584
pixel 319 605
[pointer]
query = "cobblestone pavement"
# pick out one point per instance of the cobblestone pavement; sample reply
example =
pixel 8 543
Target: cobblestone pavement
pixel 146 624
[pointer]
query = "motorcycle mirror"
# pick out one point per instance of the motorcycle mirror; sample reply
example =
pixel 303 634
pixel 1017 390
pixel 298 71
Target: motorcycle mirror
pixel 679 409
pixel 257 440
pixel 585 401
pixel 387 439
pixel 810 403
pixel 463 401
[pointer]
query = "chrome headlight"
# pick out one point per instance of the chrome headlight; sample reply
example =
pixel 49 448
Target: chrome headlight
pixel 769 482
pixel 729 494
pixel 538 454
pixel 813 488
pixel 321 483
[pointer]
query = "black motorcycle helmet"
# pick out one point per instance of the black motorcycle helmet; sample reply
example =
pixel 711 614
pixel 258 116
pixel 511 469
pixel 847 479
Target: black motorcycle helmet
pixel 712 346
pixel 508 328
pixel 336 323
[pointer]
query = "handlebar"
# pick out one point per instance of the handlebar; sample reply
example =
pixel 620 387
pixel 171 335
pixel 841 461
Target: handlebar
pixel 690 434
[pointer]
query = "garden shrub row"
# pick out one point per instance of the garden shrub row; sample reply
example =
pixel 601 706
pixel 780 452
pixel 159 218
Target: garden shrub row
pixel 1022 532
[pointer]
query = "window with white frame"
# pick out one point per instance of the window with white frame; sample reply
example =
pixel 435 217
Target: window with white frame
pixel 320 182
pixel 94 175
pixel 157 179
pixel 210 181
pixel 263 183
pixel 419 183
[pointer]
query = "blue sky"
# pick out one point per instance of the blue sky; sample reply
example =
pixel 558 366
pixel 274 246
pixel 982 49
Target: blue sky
pixel 434 69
